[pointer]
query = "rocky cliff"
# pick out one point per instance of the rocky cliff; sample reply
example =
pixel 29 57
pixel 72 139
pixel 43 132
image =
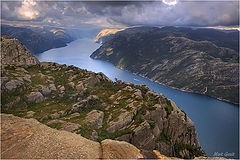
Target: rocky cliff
pixel 105 34
pixel 13 52
pixel 87 103
pixel 173 59
pixel 29 139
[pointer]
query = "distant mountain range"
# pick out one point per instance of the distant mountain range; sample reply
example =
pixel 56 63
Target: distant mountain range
pixel 37 39
pixel 203 61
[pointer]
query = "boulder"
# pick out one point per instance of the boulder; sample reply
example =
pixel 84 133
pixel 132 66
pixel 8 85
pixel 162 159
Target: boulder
pixel 119 150
pixel 22 70
pixel 57 115
pixel 72 116
pixel 13 84
pixel 91 81
pixel 63 125
pixel 45 90
pixel 52 87
pixel 35 97
pixel 88 102
pixel 94 119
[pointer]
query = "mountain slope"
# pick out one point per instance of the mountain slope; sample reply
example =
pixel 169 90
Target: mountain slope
pixel 87 103
pixel 13 52
pixel 37 40
pixel 195 66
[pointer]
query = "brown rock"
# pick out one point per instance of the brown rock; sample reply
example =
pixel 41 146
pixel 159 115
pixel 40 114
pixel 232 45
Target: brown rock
pixel 35 97
pixel 29 139
pixel 95 119
pixel 14 52
pixel 119 150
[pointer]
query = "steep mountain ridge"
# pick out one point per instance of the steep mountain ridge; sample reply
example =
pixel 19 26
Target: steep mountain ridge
pixel 87 103
pixel 37 39
pixel 195 66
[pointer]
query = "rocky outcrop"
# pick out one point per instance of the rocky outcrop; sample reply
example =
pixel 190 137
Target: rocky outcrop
pixel 29 139
pixel 102 109
pixel 13 52
pixel 99 109
pixel 35 97
pixel 94 119
pixel 176 58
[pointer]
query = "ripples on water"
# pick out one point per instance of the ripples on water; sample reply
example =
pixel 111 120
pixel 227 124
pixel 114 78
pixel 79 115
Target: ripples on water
pixel 216 121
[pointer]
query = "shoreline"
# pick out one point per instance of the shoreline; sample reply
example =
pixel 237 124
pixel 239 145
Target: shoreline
pixel 188 91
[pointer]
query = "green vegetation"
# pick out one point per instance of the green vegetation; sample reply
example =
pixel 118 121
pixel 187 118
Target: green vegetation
pixel 193 151
pixel 164 138
pixel 103 134
pixel 168 107
pixel 72 105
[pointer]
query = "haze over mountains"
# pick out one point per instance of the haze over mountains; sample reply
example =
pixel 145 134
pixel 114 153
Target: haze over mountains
pixel 37 39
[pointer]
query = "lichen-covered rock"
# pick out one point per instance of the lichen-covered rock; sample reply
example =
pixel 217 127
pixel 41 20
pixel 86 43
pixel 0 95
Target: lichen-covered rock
pixel 13 84
pixel 13 52
pixel 94 119
pixel 63 125
pixel 45 90
pixel 52 87
pixel 35 97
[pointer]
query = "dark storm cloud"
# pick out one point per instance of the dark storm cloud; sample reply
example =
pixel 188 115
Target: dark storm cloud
pixel 114 14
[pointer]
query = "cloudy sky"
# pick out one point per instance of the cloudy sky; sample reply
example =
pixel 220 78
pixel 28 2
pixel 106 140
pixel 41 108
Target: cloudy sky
pixel 121 14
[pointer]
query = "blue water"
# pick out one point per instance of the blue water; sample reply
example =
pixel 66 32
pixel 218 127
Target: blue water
pixel 216 121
